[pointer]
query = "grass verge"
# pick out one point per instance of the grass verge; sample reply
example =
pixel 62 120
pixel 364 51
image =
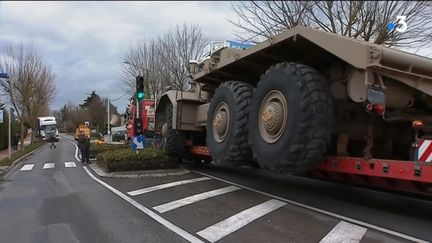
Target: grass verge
pixel 18 154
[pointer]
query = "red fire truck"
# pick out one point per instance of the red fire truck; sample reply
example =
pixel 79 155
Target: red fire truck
pixel 147 115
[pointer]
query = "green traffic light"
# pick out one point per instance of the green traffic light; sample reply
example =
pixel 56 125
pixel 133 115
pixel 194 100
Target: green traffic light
pixel 140 95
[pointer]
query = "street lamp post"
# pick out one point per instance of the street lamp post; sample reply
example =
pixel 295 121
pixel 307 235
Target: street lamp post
pixel 9 132
pixel 6 76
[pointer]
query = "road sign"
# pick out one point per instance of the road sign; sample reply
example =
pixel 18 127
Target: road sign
pixel 138 142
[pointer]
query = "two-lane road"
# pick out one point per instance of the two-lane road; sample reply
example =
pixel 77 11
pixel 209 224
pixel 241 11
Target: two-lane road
pixel 61 203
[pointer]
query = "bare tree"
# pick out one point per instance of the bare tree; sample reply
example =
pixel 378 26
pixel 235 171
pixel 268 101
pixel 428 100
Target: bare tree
pixel 367 20
pixel 144 59
pixel 179 46
pixel 30 86
pixel 42 89
pixel 163 61
pixel 257 20
pixel 71 116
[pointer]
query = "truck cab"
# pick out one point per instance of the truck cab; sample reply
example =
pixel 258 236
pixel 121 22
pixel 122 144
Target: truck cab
pixel 213 48
pixel 47 127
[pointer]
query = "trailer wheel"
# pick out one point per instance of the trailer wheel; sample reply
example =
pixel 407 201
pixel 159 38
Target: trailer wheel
pixel 291 118
pixel 175 141
pixel 227 123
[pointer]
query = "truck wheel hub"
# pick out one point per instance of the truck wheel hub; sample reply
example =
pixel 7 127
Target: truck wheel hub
pixel 221 122
pixel 273 116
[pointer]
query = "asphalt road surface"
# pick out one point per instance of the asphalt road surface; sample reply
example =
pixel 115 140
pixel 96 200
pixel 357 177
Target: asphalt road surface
pixel 50 197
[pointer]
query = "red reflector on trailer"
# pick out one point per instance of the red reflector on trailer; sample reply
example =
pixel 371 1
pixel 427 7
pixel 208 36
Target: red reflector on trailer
pixel 379 108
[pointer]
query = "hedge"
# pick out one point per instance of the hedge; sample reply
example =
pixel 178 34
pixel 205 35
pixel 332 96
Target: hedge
pixel 127 159
pixel 95 149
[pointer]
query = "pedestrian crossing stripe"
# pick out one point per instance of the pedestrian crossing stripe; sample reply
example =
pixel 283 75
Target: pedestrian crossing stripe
pixel 345 232
pixel 70 164
pixel 167 185
pixel 27 167
pixel 194 198
pixel 48 166
pixel 227 226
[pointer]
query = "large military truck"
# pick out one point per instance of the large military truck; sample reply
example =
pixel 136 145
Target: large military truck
pixel 307 101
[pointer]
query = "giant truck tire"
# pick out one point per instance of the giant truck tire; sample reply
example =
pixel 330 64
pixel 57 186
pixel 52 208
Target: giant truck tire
pixel 291 118
pixel 175 144
pixel 227 123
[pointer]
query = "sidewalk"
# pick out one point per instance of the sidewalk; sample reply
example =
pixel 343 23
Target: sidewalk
pixel 4 153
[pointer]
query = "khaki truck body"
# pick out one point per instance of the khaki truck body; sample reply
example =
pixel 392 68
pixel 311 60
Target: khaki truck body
pixel 289 102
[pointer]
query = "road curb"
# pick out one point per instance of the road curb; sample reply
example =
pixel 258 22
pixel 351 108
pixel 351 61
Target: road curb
pixel 137 175
pixel 18 161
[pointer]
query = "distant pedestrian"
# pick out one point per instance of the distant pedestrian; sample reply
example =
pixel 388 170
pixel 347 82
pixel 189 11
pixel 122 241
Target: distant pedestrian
pixel 84 146
pixel 15 139
pixel 51 139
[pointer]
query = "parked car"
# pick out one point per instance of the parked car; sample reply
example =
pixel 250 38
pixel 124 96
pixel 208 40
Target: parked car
pixel 118 134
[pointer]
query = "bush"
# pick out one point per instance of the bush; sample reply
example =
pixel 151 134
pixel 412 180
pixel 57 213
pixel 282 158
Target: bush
pixel 126 159
pixel 95 149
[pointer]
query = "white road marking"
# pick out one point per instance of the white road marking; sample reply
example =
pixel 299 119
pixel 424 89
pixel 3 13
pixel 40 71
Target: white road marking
pixel 164 186
pixel 344 232
pixel 76 152
pixel 27 167
pixel 192 238
pixel 48 166
pixel 162 221
pixel 335 215
pixel 192 199
pixel 225 227
pixel 179 231
pixel 70 164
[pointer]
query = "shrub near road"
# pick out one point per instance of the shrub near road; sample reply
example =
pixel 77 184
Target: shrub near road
pixel 95 149
pixel 122 159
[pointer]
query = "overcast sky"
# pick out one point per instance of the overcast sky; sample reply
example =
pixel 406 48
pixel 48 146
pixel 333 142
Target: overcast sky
pixel 82 41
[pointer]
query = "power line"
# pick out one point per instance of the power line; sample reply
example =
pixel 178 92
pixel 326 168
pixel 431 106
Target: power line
pixel 123 95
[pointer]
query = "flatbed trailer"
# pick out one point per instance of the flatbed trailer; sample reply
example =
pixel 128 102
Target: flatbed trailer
pixel 405 176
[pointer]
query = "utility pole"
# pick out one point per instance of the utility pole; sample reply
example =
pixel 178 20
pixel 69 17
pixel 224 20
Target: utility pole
pixel 9 132
pixel 108 120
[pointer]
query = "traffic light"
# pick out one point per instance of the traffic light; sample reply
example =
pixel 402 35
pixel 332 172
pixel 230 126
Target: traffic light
pixel 140 87
pixel 138 127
